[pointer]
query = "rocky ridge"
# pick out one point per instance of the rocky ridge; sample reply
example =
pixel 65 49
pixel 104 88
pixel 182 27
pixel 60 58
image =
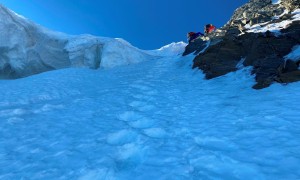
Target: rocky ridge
pixel 260 34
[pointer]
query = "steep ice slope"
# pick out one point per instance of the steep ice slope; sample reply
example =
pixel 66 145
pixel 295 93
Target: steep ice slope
pixel 153 120
pixel 27 48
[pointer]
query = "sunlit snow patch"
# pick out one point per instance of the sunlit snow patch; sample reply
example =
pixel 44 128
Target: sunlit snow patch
pixel 275 27
pixel 172 49
pixel 296 14
pixel 294 55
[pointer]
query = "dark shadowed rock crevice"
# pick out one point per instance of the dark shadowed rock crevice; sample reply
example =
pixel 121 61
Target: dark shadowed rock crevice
pixel 195 47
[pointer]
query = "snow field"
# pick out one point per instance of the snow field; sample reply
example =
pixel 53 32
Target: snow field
pixel 154 120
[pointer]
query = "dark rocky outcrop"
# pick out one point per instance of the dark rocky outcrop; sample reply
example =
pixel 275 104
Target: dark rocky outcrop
pixel 195 47
pixel 264 51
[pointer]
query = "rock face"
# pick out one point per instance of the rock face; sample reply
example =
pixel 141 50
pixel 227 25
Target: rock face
pixel 260 34
pixel 27 48
pixel 195 47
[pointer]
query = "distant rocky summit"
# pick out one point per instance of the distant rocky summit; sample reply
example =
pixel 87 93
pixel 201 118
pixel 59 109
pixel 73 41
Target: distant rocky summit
pixel 263 34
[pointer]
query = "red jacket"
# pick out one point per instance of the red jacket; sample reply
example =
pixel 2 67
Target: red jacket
pixel 210 29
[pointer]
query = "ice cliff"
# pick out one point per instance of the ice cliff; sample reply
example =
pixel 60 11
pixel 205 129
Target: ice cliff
pixel 27 48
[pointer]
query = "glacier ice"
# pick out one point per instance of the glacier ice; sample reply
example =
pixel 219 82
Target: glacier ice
pixel 27 48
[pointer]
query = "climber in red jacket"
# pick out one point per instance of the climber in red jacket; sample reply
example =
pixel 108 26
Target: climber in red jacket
pixel 209 28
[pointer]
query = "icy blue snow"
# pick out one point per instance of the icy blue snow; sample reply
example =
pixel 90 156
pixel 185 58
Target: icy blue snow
pixel 154 120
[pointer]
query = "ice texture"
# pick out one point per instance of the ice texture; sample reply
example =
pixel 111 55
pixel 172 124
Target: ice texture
pixel 154 120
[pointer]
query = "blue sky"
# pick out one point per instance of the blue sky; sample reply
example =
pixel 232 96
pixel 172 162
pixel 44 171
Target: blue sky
pixel 147 24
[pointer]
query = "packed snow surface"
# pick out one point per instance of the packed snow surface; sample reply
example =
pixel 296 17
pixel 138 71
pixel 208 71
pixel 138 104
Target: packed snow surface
pixel 153 120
